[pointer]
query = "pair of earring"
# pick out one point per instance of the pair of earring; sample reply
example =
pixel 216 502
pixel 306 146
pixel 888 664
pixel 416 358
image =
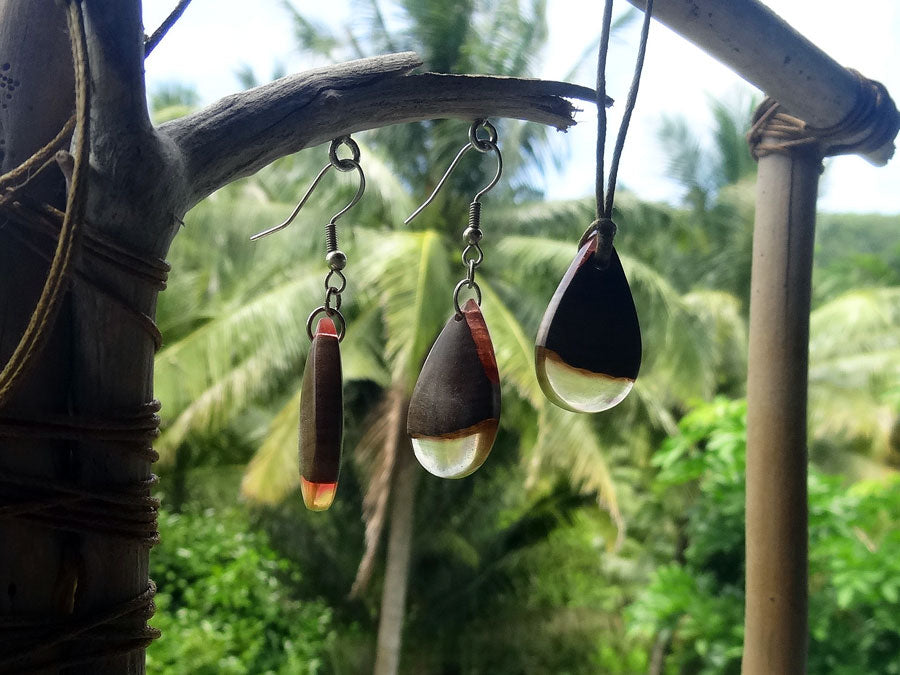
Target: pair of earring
pixel 455 407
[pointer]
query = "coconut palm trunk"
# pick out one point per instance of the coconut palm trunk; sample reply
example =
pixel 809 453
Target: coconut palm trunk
pixel 396 575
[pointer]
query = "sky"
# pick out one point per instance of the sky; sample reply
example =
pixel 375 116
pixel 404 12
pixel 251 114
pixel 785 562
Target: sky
pixel 214 38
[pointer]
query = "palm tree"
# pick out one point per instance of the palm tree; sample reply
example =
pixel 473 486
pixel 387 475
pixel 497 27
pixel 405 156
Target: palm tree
pixel 715 231
pixel 854 380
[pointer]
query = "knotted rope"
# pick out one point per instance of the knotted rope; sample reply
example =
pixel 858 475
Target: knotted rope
pixel 118 630
pixel 37 331
pixel 872 122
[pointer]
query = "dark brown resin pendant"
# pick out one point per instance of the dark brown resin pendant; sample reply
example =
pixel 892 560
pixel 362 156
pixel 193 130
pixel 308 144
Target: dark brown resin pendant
pixel 321 419
pixel 455 406
pixel 588 348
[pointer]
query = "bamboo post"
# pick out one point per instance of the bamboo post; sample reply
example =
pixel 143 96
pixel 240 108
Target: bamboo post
pixel 776 530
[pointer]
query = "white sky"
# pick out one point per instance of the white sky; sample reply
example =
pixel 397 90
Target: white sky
pixel 215 37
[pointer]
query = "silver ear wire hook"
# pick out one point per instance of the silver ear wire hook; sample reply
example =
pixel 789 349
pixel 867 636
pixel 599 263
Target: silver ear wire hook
pixel 348 164
pixel 481 145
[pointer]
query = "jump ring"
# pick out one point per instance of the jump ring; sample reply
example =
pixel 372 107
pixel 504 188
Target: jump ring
pixel 483 144
pixel 478 260
pixel 465 282
pixel 330 313
pixel 347 164
pixel 337 289
pixel 332 292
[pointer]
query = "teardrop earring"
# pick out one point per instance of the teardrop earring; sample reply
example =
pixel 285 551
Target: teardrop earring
pixel 321 403
pixel 588 346
pixel 454 411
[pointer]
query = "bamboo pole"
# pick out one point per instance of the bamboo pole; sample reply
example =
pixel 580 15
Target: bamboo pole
pixel 776 543
pixel 758 45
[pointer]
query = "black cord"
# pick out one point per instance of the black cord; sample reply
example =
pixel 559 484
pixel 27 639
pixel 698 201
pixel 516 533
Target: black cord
pixel 603 225
pixel 151 42
pixel 601 104
pixel 629 108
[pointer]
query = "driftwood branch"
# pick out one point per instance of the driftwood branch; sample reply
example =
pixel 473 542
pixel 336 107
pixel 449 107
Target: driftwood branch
pixel 118 99
pixel 138 168
pixel 244 132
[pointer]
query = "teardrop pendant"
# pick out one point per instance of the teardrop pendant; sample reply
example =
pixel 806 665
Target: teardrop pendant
pixel 321 419
pixel 454 411
pixel 588 348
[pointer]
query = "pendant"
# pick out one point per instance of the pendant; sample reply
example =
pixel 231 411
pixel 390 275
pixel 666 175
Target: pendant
pixel 454 411
pixel 588 348
pixel 321 419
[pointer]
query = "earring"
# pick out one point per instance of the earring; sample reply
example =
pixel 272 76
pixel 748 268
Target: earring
pixel 321 403
pixel 454 410
pixel 588 347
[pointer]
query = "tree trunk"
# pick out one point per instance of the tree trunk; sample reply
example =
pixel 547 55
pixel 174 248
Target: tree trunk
pixel 98 363
pixel 396 574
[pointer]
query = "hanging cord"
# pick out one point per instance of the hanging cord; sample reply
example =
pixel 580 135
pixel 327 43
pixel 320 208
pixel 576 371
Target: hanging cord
pixel 603 224
pixel 17 178
pixel 38 327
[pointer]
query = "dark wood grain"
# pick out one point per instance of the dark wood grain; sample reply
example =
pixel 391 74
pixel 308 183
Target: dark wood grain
pixel 321 408
pixel 591 322
pixel 458 387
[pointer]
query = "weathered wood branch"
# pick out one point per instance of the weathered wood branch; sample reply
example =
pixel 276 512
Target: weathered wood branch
pixel 242 133
pixel 136 169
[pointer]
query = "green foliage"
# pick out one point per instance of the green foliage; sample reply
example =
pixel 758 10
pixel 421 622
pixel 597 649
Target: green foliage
pixel 227 602
pixel 697 600
pixel 515 570
pixel 854 576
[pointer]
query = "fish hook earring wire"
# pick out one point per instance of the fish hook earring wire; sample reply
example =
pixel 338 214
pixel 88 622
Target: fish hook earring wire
pixel 473 233
pixel 321 425
pixel 335 258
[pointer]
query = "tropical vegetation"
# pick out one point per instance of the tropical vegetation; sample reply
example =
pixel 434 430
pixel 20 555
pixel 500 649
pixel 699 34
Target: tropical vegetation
pixel 611 543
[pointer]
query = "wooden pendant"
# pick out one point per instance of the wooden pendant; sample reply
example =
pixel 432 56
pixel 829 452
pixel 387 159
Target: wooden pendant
pixel 588 348
pixel 321 419
pixel 454 411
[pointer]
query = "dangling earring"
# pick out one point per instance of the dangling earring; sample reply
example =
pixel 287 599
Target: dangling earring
pixel 454 411
pixel 588 346
pixel 321 404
